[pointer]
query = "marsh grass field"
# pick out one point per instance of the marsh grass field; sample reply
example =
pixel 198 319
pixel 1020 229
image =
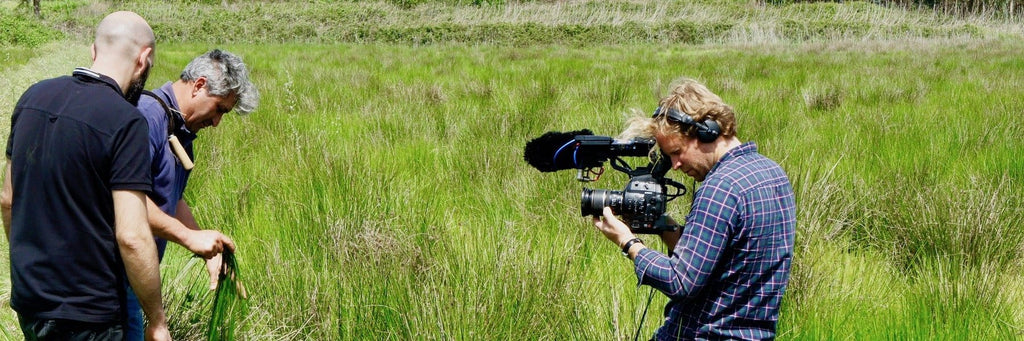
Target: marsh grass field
pixel 379 192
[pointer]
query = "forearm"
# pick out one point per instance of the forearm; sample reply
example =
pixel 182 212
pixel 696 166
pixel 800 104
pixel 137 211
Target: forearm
pixel 659 271
pixel 165 226
pixel 687 270
pixel 143 269
pixel 185 231
pixel 7 200
pixel 184 215
pixel 7 221
pixel 6 211
pixel 138 251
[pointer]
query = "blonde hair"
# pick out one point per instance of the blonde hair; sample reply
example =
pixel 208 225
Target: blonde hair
pixel 687 96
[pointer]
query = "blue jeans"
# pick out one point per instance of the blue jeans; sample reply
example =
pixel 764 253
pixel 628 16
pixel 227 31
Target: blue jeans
pixel 66 330
pixel 134 330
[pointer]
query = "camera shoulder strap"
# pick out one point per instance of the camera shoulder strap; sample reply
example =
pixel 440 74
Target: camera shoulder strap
pixel 178 150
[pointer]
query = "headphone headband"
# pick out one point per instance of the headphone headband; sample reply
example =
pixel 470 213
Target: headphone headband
pixel 707 131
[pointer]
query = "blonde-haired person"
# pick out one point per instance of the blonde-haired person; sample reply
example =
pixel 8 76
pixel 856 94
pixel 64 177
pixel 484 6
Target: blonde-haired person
pixel 729 263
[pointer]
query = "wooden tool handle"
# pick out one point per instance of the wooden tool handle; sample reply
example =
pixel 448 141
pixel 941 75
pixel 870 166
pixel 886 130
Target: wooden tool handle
pixel 179 151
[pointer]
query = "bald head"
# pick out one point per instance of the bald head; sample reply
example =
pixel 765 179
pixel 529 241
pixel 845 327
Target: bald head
pixel 123 49
pixel 123 35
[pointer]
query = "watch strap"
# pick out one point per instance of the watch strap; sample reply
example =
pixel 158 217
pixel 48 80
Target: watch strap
pixel 629 244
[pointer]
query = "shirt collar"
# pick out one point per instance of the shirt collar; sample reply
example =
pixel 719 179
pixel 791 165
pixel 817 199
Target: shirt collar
pixel 86 74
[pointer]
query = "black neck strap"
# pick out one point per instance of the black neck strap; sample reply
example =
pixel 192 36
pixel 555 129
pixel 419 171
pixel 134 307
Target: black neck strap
pixel 171 113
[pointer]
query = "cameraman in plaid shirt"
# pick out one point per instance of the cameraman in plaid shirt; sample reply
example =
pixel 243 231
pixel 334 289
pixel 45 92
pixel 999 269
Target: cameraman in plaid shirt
pixel 730 262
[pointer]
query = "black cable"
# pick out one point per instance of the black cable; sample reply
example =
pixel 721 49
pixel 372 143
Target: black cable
pixel 650 296
pixel 640 325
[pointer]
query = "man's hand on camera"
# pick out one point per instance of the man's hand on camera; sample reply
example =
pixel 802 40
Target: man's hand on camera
pixel 613 228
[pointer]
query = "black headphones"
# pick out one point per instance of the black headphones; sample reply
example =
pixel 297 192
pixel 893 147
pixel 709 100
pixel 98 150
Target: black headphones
pixel 707 131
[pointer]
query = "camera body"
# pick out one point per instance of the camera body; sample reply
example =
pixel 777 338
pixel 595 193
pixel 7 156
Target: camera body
pixel 642 203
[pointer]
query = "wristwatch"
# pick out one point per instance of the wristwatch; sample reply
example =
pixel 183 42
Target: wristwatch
pixel 629 244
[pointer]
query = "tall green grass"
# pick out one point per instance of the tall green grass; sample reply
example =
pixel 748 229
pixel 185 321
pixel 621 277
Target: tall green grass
pixel 379 192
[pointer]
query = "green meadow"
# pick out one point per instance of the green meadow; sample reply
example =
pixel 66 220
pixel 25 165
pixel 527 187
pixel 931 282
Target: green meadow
pixel 379 191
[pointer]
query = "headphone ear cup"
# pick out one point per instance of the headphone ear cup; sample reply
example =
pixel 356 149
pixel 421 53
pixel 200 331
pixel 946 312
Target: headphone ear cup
pixel 708 131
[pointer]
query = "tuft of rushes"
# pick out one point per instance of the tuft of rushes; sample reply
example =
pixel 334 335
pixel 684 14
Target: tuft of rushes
pixel 229 302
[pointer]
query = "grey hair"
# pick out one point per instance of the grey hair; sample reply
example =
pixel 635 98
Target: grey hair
pixel 225 74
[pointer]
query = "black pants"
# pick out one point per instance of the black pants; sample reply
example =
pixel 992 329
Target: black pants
pixel 67 330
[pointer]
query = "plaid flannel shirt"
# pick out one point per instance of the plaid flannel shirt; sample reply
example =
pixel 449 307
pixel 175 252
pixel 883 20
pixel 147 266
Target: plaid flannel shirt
pixel 729 269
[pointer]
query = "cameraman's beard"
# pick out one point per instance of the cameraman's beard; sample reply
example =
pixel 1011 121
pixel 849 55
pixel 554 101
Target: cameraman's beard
pixel 136 87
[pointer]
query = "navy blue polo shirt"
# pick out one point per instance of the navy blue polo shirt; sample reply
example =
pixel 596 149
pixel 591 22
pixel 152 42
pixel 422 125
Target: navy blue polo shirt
pixel 169 176
pixel 73 140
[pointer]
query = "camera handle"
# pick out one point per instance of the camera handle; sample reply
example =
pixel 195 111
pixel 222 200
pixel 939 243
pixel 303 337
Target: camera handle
pixel 621 165
pixel 594 173
pixel 680 188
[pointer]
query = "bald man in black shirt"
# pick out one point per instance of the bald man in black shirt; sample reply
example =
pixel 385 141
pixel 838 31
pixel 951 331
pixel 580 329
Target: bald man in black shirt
pixel 73 199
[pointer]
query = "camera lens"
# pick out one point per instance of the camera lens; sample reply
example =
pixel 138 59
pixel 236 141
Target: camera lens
pixel 593 201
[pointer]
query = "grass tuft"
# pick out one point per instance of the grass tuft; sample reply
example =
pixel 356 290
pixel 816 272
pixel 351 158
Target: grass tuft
pixel 229 302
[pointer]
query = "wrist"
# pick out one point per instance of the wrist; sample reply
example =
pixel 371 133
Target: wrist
pixel 629 244
pixel 623 239
pixel 157 319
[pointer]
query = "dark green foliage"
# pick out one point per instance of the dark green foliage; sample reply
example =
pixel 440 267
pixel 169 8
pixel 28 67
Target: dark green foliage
pixel 229 306
pixel 1012 8
pixel 823 29
pixel 406 4
pixel 515 34
pixel 24 30
pixel 31 3
pixel 1005 8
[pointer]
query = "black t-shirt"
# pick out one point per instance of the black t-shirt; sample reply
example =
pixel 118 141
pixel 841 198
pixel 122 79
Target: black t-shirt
pixel 73 140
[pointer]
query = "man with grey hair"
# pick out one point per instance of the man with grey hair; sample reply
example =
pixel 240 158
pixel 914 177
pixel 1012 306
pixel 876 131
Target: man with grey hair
pixel 210 86
pixel 73 198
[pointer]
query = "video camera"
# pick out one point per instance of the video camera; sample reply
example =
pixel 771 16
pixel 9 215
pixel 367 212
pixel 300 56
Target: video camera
pixel 641 204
